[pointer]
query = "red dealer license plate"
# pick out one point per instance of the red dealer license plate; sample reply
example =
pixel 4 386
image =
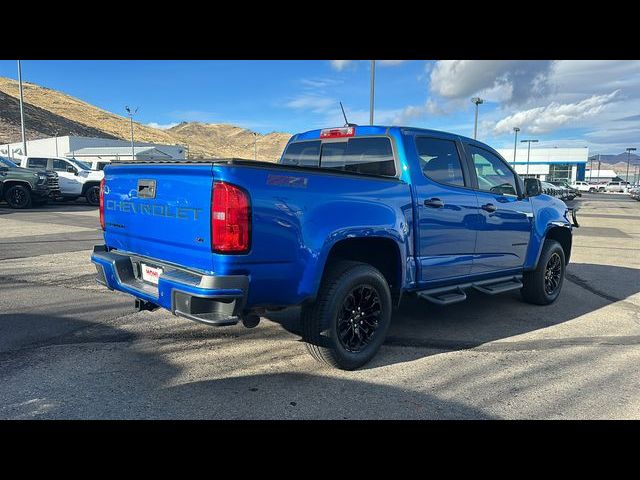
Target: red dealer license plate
pixel 150 274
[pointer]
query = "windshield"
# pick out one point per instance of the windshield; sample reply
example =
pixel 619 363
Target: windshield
pixel 81 165
pixel 7 163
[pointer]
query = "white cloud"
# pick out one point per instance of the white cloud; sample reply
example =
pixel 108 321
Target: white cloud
pixel 340 64
pixel 512 81
pixel 548 118
pixel 390 63
pixel 413 112
pixel 313 103
pixel 161 126
pixel 319 83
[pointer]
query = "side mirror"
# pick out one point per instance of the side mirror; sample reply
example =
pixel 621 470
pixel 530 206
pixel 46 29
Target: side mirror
pixel 72 170
pixel 532 187
pixel 4 169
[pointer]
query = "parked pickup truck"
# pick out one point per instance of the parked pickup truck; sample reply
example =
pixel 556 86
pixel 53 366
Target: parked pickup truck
pixel 77 179
pixel 24 187
pixel 347 223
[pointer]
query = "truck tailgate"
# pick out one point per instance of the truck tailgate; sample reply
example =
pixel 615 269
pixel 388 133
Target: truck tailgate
pixel 162 211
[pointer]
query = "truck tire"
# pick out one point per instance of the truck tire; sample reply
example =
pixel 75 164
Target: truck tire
pixel 18 196
pixel 92 195
pixel 542 286
pixel 348 323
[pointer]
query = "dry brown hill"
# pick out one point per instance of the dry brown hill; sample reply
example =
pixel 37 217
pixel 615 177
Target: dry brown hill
pixel 48 111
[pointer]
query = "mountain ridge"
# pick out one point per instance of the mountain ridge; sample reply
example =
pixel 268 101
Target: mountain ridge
pixel 49 112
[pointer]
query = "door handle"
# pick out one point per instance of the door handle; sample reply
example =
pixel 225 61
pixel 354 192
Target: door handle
pixel 489 207
pixel 434 203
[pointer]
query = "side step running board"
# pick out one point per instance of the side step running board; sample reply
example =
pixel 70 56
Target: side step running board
pixel 499 287
pixel 444 298
pixel 455 293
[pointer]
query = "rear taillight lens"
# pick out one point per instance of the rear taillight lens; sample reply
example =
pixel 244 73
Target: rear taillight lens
pixel 230 219
pixel 102 203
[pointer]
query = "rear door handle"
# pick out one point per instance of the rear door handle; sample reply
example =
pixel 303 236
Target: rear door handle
pixel 489 207
pixel 434 203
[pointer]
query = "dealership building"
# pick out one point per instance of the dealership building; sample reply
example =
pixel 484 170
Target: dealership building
pixel 93 148
pixel 549 164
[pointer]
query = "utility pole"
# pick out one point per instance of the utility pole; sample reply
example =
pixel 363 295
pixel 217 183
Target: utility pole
pixel 56 144
pixel 515 145
pixel 131 114
pixel 629 150
pixel 372 92
pixel 528 151
pixel 477 101
pixel 24 137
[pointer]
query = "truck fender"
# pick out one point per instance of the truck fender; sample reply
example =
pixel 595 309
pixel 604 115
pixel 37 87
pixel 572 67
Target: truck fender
pixel 312 276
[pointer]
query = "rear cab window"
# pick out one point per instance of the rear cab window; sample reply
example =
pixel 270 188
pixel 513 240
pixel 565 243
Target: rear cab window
pixel 364 155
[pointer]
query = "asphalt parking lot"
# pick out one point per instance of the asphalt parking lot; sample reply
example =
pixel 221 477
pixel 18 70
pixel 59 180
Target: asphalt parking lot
pixel 71 349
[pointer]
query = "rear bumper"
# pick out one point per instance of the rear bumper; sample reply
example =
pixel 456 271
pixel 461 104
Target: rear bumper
pixel 211 299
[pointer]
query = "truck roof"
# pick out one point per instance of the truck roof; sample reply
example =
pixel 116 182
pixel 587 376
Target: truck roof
pixel 383 130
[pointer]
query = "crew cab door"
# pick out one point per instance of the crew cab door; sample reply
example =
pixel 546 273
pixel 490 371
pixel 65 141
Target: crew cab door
pixel 505 216
pixel 446 209
pixel 70 184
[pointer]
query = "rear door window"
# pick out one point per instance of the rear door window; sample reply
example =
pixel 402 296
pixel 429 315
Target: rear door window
pixel 37 163
pixel 440 161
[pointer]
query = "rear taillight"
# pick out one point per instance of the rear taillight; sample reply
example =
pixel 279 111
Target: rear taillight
pixel 338 132
pixel 102 203
pixel 230 219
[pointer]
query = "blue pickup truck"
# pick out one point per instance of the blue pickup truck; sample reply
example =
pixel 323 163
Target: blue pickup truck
pixel 349 221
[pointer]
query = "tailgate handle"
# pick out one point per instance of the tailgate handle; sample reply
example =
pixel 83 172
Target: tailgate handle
pixel 146 188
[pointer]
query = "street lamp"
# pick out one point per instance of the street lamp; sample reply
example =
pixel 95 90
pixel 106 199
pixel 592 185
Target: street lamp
pixel 24 137
pixel 255 146
pixel 629 150
pixel 372 91
pixel 477 101
pixel 515 145
pixel 528 150
pixel 131 114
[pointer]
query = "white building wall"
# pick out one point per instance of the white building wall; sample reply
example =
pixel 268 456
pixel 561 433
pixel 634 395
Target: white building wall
pixel 46 147
pixel 546 155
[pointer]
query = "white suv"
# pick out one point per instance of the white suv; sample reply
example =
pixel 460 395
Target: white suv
pixel 76 178
pixel 613 187
pixel 583 186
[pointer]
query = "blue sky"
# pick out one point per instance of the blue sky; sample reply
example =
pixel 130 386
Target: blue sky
pixel 561 103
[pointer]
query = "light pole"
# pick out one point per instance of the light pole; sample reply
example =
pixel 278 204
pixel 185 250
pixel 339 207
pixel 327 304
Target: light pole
pixel 515 145
pixel 24 137
pixel 528 151
pixel 477 101
pixel 255 146
pixel 372 92
pixel 131 114
pixel 56 143
pixel 629 150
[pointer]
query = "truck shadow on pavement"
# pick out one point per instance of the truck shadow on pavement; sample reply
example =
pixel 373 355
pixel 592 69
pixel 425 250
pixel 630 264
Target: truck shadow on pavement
pixel 96 371
pixel 482 319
